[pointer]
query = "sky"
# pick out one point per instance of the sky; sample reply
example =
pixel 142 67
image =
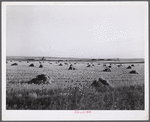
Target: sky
pixel 80 31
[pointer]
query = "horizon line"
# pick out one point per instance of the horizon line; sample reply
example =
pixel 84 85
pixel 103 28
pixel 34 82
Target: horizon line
pixel 77 57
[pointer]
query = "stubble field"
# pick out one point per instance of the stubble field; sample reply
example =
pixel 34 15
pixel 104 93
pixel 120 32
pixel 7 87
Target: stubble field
pixel 71 89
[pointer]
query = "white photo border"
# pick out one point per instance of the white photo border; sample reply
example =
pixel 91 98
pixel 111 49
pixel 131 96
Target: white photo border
pixel 15 115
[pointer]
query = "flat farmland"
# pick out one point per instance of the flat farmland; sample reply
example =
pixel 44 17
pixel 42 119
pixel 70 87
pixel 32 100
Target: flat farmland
pixel 71 89
pixel 118 76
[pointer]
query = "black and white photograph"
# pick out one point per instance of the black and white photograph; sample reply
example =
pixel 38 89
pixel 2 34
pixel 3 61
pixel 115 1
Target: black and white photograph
pixel 75 61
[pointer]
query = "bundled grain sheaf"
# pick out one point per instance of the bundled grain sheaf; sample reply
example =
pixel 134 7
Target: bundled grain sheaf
pixel 31 65
pixel 129 67
pixel 120 65
pixel 60 64
pixel 41 79
pixel 107 69
pixel 71 67
pixel 88 65
pixel 132 65
pixel 101 84
pixel 14 64
pixel 133 72
pixel 41 66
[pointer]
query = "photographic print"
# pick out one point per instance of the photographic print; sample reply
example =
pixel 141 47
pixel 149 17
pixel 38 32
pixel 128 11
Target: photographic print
pixel 75 60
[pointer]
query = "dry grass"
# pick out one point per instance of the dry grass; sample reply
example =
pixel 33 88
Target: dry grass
pixel 70 89
pixel 31 97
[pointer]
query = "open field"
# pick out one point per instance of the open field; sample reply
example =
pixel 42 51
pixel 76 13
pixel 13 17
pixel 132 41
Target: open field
pixel 71 89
